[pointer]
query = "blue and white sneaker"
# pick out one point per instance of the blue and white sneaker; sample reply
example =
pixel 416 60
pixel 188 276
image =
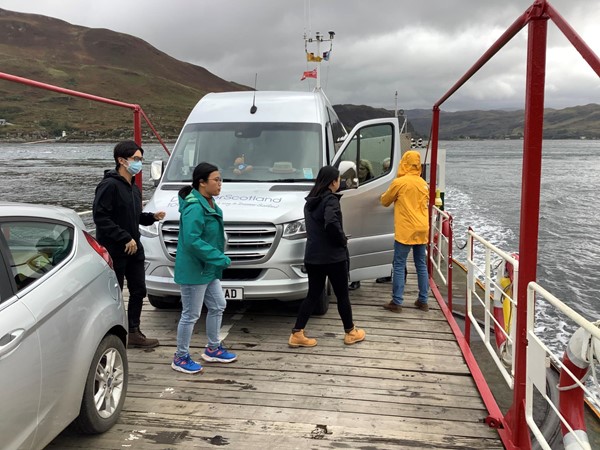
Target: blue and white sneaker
pixel 219 354
pixel 186 364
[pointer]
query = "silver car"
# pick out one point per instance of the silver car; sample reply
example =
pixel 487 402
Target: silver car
pixel 62 328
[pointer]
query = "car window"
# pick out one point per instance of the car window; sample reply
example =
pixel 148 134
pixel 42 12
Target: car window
pixel 35 248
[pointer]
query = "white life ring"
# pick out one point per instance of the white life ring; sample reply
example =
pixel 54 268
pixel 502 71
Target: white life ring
pixel 581 350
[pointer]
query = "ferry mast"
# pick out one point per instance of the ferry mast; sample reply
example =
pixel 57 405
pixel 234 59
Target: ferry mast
pixel 317 57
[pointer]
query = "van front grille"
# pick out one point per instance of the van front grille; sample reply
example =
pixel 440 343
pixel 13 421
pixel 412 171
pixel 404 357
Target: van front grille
pixel 245 242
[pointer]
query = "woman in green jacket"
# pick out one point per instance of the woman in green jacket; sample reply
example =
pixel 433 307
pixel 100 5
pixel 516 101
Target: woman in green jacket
pixel 199 266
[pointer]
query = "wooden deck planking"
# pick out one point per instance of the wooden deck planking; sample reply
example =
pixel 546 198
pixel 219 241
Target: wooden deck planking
pixel 405 386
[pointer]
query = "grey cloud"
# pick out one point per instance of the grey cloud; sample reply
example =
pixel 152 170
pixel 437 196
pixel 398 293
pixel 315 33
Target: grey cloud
pixel 416 48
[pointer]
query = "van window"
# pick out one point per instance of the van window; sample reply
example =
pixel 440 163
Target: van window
pixel 371 149
pixel 249 151
pixel 337 128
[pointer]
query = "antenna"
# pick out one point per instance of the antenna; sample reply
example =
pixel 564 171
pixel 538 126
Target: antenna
pixel 253 108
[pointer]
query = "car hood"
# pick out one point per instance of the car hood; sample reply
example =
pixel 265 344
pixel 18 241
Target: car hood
pixel 244 202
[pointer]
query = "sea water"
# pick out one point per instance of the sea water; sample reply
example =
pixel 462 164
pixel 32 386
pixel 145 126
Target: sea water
pixel 484 180
pixel 483 190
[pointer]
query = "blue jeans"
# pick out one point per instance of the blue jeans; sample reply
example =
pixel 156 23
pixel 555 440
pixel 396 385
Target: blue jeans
pixel 192 297
pixel 400 256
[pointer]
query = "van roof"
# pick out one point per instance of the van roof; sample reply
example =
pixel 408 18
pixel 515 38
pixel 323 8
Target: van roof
pixel 272 106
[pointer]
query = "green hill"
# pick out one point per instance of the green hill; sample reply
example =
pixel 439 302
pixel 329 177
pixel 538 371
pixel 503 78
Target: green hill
pixel 98 62
pixel 568 123
pixel 119 66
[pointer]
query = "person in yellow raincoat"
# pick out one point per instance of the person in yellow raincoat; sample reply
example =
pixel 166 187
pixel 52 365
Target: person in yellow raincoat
pixel 410 195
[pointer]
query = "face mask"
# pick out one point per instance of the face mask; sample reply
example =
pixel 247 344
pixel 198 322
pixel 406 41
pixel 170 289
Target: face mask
pixel 134 167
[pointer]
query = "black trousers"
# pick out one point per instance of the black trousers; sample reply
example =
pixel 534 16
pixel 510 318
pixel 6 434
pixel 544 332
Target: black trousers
pixel 132 269
pixel 338 276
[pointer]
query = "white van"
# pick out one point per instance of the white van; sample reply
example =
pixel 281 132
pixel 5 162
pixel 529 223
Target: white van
pixel 269 147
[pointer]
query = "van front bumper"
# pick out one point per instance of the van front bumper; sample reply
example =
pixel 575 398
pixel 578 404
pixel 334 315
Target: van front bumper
pixel 272 284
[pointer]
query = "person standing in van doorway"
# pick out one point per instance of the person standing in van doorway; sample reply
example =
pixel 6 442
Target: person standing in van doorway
pixel 118 214
pixel 325 255
pixel 410 195
pixel 199 265
pixel 365 173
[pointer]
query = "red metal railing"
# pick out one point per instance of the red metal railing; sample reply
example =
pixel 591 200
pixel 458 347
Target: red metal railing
pixel 513 430
pixel 137 110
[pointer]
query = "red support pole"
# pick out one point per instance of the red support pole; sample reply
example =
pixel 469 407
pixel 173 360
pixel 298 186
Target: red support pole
pixel 449 276
pixel 584 50
pixel 435 125
pixel 60 90
pixel 137 137
pixel 530 208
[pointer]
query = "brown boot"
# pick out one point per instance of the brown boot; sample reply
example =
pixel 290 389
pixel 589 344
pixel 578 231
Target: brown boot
pixel 354 335
pixel 422 306
pixel 137 339
pixel 297 339
pixel 391 306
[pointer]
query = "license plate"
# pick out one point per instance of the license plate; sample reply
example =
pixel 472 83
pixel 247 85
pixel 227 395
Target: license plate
pixel 233 293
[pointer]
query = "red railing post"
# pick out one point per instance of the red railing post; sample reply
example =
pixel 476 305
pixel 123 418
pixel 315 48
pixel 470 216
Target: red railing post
pixel 137 137
pixel 530 207
pixel 435 124
pixel 449 256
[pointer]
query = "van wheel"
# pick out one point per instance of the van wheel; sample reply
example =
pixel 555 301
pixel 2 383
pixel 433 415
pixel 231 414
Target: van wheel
pixel 169 302
pixel 105 387
pixel 322 305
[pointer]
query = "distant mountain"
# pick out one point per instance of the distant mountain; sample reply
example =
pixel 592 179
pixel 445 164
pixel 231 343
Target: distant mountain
pixel 569 123
pixel 95 61
pixel 128 69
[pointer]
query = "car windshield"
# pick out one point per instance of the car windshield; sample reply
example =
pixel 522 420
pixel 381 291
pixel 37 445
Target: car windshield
pixel 249 152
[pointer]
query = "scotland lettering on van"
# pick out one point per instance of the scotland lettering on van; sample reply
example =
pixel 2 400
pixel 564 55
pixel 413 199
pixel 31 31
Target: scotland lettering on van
pixel 257 201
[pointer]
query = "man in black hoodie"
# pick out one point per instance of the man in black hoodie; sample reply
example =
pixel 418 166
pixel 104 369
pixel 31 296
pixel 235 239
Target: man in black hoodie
pixel 118 215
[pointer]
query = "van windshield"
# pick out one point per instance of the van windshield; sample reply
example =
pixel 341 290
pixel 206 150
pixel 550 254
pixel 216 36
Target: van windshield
pixel 249 152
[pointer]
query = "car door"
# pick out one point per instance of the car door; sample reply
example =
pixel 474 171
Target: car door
pixel 61 309
pixel 20 355
pixel 374 145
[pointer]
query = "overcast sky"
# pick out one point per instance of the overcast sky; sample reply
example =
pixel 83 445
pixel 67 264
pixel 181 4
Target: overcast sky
pixel 418 48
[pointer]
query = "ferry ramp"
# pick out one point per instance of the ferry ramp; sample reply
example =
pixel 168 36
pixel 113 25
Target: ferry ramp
pixel 405 386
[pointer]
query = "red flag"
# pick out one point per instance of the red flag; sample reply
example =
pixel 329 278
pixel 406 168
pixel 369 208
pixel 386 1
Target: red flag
pixel 309 74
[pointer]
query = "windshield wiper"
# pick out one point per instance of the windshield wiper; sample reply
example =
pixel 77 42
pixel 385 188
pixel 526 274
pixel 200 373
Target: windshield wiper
pixel 289 180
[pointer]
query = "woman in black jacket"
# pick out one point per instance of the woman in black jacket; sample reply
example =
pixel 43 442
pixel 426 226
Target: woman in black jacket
pixel 326 255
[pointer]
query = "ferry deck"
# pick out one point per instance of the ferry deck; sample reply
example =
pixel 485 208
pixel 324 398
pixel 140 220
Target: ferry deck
pixel 405 386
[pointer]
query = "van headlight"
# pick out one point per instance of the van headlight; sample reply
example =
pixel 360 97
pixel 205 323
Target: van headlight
pixel 149 231
pixel 294 230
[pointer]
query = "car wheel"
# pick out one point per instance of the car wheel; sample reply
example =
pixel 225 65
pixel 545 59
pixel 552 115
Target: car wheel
pixel 105 388
pixel 170 302
pixel 322 305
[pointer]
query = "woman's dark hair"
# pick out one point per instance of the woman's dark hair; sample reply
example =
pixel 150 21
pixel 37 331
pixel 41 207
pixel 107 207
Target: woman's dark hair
pixel 125 149
pixel 201 173
pixel 325 177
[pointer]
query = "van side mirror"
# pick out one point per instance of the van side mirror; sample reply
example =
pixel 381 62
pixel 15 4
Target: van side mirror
pixel 348 175
pixel 156 170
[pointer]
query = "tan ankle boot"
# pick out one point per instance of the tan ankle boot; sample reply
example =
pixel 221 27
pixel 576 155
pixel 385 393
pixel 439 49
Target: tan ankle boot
pixel 355 335
pixel 298 339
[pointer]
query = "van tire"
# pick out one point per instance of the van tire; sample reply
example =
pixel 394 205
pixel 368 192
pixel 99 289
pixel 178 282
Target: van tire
pixel 322 305
pixel 169 302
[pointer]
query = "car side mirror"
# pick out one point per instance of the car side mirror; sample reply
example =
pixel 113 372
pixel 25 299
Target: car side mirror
pixel 156 170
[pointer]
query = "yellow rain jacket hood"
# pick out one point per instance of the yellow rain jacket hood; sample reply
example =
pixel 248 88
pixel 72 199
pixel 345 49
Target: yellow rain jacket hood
pixel 410 195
